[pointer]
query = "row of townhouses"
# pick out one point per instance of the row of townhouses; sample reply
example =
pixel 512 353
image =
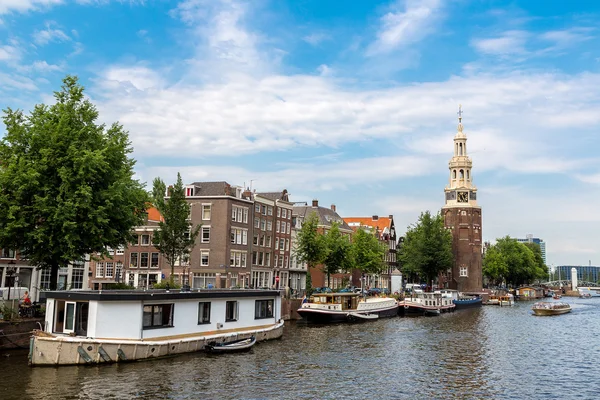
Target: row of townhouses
pixel 246 240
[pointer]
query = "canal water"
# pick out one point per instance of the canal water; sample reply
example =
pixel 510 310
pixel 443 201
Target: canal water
pixel 487 353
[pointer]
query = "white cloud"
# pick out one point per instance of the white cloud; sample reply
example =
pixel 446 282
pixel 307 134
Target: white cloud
pixel 44 67
pixel 508 43
pixel 316 38
pixel 408 22
pixel 140 77
pixel 7 6
pixel 9 54
pixel 50 34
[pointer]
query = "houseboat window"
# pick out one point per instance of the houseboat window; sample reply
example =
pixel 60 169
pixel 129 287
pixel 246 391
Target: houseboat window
pixel 204 312
pixel 231 311
pixel 158 316
pixel 263 309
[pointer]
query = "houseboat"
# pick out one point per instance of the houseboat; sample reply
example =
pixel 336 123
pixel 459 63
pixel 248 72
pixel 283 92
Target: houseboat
pixel 426 303
pixel 586 292
pixel 344 307
pixel 460 300
pixel 550 308
pixel 92 327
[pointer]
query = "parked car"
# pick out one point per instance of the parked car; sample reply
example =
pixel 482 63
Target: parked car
pixel 360 290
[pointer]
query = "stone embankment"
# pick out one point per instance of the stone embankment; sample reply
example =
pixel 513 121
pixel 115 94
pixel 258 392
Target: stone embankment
pixel 15 334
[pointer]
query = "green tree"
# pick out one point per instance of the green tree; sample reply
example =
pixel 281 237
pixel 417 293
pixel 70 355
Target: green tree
pixel 310 245
pixel 512 262
pixel 67 182
pixel 175 237
pixel 541 269
pixel 338 251
pixel 368 252
pixel 427 248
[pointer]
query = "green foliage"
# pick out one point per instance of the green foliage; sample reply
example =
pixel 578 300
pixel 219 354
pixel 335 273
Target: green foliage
pixel 309 288
pixel 175 237
pixel 512 262
pixel 368 253
pixel 338 253
pixel 67 182
pixel 310 245
pixel 117 286
pixel 166 285
pixel 8 313
pixel 427 248
pixel 541 268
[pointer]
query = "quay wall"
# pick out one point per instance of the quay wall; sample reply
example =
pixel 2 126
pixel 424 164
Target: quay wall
pixel 289 307
pixel 16 334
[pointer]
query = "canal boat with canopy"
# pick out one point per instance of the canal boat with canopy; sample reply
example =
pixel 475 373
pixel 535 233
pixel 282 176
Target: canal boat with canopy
pixel 92 327
pixel 346 307
pixel 551 308
pixel 426 303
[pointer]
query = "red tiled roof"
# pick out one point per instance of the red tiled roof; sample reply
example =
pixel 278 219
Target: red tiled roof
pixel 154 214
pixel 381 222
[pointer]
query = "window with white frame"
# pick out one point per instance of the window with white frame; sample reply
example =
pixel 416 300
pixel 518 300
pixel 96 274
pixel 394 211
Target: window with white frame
pixel 287 244
pixel 119 270
pixel 120 251
pixel 255 241
pixel 154 260
pixel 269 210
pixel 263 224
pixel 245 217
pixel 204 258
pixel 281 244
pixel 288 228
pixel 239 236
pixel 8 253
pixel 275 259
pixel 77 275
pixel 278 212
pixel 109 270
pixel 268 241
pixel 145 240
pixel 269 226
pixel 206 212
pixel 237 259
pixel 463 271
pixel 143 260
pixel 205 234
pixel 231 311
pixel 284 213
pixel 257 222
pixel 100 270
pixel 133 260
pixel 264 210
pixel 257 208
pixel 276 244
pixel 268 259
pixel 277 226
pixel 261 258
pixel 202 280
pixel 262 240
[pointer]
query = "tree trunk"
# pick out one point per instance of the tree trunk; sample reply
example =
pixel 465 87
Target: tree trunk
pixel 54 276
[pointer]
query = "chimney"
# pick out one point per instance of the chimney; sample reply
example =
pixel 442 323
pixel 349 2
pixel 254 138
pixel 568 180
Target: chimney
pixel 375 217
pixel 333 207
pixel 315 203
pixel 391 216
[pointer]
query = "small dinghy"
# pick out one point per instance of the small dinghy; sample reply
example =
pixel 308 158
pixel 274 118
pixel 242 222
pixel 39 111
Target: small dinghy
pixel 228 347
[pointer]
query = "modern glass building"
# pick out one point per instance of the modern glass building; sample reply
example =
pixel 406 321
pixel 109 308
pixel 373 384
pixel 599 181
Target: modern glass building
pixel 588 273
pixel 530 239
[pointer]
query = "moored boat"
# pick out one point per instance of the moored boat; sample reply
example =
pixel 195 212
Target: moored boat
pixel 231 346
pixel 550 308
pixel 461 300
pixel 344 307
pixel 425 303
pixel 93 327
pixel 586 292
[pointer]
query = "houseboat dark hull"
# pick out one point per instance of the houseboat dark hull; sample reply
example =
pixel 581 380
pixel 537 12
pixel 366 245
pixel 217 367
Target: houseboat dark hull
pixel 414 308
pixel 317 316
pixel 468 303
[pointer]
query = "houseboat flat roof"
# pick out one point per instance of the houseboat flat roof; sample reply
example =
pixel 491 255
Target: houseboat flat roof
pixel 159 294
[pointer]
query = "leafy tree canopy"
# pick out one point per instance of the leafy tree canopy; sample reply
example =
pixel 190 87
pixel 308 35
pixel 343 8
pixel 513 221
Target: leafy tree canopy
pixel 368 252
pixel 427 248
pixel 175 238
pixel 512 262
pixel 310 245
pixel 338 254
pixel 67 182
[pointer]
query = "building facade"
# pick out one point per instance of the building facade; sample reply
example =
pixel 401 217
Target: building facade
pixel 587 273
pixel 271 242
pixel 385 230
pixel 326 216
pixel 462 216
pixel 530 239
pixel 222 255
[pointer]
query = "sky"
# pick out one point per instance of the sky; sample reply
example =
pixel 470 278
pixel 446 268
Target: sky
pixel 352 103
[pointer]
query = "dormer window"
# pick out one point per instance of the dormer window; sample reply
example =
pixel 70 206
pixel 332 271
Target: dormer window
pixel 189 192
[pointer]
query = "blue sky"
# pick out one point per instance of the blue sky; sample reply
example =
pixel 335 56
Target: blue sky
pixel 351 103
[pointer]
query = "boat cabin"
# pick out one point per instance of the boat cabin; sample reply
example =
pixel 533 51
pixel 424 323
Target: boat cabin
pixel 334 301
pixel 158 313
pixel 530 293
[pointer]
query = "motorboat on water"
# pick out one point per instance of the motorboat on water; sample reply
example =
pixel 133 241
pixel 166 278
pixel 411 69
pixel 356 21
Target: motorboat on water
pixel 544 308
pixel 346 307
pixel 587 292
pixel 461 300
pixel 426 303
pixel 231 346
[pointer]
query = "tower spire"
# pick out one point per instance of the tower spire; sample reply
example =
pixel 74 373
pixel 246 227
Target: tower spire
pixel 460 113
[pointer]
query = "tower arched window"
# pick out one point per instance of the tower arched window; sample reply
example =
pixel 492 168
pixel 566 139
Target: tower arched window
pixel 454 174
pixel 460 147
pixel 468 177
pixel 456 148
pixel 462 174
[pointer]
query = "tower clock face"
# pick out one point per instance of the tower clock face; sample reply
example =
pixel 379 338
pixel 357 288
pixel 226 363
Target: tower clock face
pixel 463 197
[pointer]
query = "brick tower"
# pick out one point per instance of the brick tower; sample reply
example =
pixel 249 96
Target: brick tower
pixel 462 216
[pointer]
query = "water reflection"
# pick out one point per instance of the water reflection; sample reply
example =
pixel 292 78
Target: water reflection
pixel 470 354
